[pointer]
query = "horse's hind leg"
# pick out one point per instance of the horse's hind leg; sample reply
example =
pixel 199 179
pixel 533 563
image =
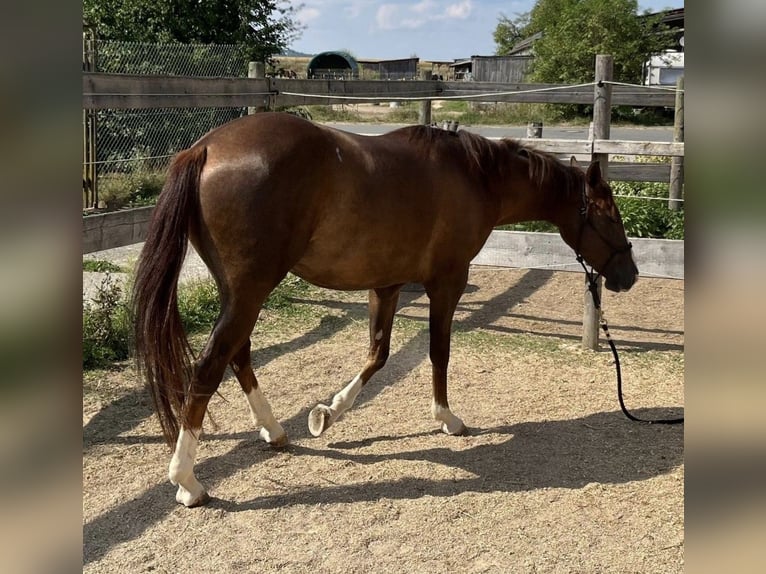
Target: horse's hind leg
pixel 232 329
pixel 444 296
pixel 382 306
pixel 260 410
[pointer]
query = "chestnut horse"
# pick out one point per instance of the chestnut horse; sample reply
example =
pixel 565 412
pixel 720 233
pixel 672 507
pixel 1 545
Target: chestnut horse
pixel 271 193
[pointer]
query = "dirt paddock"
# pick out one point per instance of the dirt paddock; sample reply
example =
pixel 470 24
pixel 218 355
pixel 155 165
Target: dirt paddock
pixel 551 478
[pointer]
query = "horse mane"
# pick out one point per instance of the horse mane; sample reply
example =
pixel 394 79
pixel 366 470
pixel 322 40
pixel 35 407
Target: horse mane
pixel 490 158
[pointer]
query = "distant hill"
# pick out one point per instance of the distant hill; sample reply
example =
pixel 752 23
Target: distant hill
pixel 295 54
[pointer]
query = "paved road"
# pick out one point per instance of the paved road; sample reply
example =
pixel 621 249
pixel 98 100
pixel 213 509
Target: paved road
pixel 655 134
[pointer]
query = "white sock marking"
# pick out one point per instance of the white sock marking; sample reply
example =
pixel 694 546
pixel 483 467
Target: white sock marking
pixel 345 399
pixel 181 471
pixel 450 423
pixel 379 335
pixel 260 410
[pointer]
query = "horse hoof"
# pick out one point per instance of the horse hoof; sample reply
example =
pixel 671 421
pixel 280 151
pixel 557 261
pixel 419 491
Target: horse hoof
pixel 277 441
pixel 184 497
pixel 202 500
pixel 319 419
pixel 458 430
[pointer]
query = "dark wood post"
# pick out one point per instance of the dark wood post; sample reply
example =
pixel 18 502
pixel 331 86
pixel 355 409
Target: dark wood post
pixel 257 70
pixel 677 163
pixel 424 113
pixel 602 109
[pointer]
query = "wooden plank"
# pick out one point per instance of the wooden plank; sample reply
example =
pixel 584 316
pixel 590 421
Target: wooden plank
pixel 310 92
pixel 559 146
pixel 625 147
pixel 122 91
pixel 639 96
pixel 127 91
pixel 654 257
pixel 115 229
pixel 630 171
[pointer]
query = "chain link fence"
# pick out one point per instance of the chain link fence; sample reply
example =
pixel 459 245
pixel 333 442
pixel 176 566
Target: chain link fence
pixel 126 151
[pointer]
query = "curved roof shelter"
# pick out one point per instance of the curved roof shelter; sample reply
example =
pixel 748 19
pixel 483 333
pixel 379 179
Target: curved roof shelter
pixel 333 65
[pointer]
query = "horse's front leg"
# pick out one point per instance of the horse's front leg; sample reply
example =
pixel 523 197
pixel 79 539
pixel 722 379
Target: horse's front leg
pixel 444 297
pixel 382 306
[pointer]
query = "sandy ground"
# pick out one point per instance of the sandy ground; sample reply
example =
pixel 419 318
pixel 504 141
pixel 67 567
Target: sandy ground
pixel 551 478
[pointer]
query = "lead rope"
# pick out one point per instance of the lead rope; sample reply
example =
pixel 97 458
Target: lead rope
pixel 593 288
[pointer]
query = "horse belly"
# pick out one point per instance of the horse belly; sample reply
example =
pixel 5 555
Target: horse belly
pixel 357 268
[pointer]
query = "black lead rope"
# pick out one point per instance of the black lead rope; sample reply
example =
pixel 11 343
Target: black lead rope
pixel 593 288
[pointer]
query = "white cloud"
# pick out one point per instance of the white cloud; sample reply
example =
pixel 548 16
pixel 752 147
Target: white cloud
pixel 387 16
pixel 459 11
pixel 307 14
pixel 396 16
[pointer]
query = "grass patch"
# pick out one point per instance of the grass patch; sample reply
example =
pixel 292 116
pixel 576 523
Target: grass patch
pixel 134 189
pixel 107 329
pixel 101 266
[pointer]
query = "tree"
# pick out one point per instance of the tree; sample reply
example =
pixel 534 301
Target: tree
pixel 265 27
pixel 574 31
pixel 508 32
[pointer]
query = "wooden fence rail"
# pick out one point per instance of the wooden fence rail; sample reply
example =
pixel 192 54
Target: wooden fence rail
pixel 655 257
pixel 126 91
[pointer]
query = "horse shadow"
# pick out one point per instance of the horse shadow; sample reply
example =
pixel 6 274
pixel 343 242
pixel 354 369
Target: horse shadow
pixel 602 448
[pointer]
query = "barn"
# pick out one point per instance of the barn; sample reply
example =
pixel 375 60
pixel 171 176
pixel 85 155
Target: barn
pixel 334 66
pixel 401 69
pixel 505 69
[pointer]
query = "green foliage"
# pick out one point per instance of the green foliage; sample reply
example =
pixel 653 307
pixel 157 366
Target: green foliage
pixel 265 27
pixel 282 297
pixel 106 324
pixel 131 189
pixel 644 216
pixel 574 31
pixel 105 327
pixel 509 32
pixel 100 266
pixel 198 305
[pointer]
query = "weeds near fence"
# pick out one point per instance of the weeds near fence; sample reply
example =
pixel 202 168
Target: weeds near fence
pixel 100 266
pixel 106 324
pixel 133 189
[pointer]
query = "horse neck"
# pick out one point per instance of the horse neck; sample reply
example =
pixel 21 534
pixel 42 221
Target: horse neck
pixel 526 195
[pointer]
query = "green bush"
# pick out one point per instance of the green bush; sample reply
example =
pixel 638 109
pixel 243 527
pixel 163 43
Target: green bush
pixel 107 330
pixel 105 327
pixel 133 189
pixel 645 210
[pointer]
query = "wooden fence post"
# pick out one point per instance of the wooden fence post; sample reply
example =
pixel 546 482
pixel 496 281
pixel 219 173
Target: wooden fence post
pixel 535 130
pixel 256 70
pixel 424 113
pixel 602 109
pixel 677 163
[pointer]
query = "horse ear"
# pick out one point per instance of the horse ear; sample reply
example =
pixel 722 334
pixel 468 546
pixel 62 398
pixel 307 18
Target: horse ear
pixel 573 162
pixel 593 175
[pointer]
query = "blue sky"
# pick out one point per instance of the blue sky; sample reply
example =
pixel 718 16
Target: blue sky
pixel 429 29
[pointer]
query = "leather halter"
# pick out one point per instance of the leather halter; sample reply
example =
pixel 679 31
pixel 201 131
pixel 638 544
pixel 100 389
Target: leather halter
pixel 585 212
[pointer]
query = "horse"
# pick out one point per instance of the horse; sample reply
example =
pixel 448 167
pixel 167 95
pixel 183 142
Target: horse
pixel 272 193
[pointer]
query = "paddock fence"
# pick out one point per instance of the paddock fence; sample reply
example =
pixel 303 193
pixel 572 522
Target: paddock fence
pixel 143 93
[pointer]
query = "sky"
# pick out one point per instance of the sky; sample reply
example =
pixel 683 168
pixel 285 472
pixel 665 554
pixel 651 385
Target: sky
pixel 429 29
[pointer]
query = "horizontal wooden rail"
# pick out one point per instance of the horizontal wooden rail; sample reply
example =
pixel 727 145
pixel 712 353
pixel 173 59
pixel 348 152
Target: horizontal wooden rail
pixel 122 91
pixel 614 147
pixel 654 257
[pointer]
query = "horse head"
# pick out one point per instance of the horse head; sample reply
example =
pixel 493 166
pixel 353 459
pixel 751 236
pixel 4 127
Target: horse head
pixel 597 234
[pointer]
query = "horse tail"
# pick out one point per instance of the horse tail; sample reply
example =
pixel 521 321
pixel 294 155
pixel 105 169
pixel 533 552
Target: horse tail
pixel 162 351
